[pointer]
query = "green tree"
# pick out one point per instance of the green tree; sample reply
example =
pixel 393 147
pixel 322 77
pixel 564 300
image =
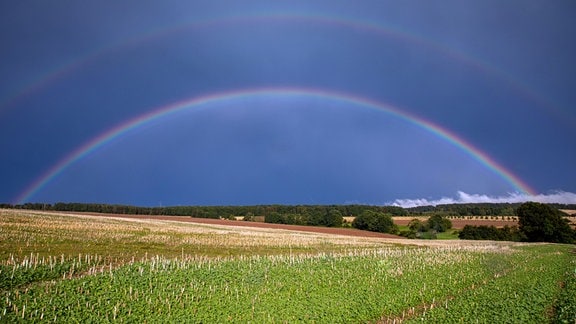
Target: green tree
pixel 333 218
pixel 275 218
pixel 439 223
pixel 492 233
pixel 415 229
pixel 417 225
pixel 363 221
pixel 315 217
pixel 541 223
pixel 375 222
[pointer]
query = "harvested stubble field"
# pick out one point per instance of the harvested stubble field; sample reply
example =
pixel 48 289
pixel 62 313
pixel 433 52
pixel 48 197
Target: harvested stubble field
pixel 83 268
pixel 240 223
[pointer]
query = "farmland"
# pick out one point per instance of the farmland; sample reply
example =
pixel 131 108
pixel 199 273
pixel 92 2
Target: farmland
pixel 82 268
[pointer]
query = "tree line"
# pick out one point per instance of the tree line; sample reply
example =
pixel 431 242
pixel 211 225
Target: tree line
pixel 472 209
pixel 305 211
pixel 476 209
pixel 536 223
pixel 331 217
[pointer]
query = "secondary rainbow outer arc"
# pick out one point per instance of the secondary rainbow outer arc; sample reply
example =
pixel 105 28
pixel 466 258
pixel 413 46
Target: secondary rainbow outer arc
pixel 122 128
pixel 366 25
pixel 64 69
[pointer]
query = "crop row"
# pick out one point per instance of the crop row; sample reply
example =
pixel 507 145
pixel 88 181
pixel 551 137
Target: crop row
pixel 531 290
pixel 360 285
pixel 15 272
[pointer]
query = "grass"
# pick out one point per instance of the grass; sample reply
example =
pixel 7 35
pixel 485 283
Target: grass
pixel 451 234
pixel 448 235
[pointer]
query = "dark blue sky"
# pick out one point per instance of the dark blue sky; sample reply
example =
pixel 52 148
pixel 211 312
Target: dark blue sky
pixel 497 75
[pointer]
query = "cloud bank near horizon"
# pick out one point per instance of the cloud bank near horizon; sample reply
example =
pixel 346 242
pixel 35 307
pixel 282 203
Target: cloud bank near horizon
pixel 560 197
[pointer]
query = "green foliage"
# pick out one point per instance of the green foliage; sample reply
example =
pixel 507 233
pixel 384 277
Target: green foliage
pixel 362 283
pixel 417 225
pixel 375 222
pixel 541 223
pixel 16 273
pixel 537 223
pixel 476 209
pixel 492 233
pixel 416 229
pixel 448 235
pixel 333 218
pixel 369 285
pixel 275 218
pixel 329 218
pixel 565 309
pixel 211 211
pixel 523 289
pixel 473 209
pixel 428 229
pixel 438 223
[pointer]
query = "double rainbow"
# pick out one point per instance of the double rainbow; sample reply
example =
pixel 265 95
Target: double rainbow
pixel 230 97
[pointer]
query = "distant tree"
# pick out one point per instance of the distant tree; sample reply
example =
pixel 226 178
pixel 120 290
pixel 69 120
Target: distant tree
pixel 416 229
pixel 385 224
pixel 439 223
pixel 492 233
pixel 294 219
pixel 315 217
pixel 541 223
pixel 333 218
pixel 275 218
pixel 375 222
pixel 417 225
pixel 363 221
pixel 394 210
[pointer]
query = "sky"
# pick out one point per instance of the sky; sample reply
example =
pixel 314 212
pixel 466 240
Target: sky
pixel 164 103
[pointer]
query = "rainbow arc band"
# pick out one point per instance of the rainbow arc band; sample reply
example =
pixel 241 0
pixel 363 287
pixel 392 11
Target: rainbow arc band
pixel 307 93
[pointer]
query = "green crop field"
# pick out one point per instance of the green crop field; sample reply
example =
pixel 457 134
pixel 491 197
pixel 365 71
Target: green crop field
pixel 66 268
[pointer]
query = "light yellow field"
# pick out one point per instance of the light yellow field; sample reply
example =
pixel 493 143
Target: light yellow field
pixel 51 233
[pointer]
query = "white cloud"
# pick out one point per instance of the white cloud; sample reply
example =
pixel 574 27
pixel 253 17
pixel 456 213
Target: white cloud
pixel 560 197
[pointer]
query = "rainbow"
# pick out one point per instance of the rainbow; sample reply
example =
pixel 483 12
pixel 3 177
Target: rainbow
pixel 63 70
pixel 231 96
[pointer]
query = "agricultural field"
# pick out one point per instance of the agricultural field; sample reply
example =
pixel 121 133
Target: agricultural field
pixel 81 268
